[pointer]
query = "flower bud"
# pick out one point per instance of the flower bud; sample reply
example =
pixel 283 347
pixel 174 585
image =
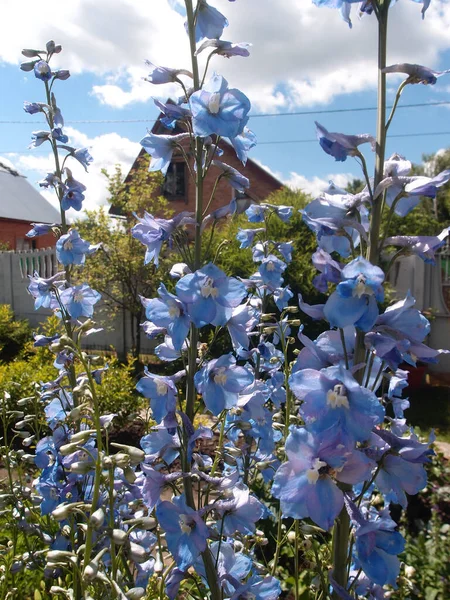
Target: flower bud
pixel 135 593
pixel 90 571
pixel 136 454
pixel 409 571
pixel 30 53
pixel 119 537
pixel 122 460
pixel 97 518
pixel 159 566
pixel 60 555
pixel 82 436
pixel 81 467
pixel 130 475
pixel 138 553
pixel 64 510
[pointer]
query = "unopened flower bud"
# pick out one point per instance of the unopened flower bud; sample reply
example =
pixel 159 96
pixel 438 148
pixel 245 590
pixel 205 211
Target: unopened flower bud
pixel 409 571
pixel 90 571
pixel 97 518
pixel 122 460
pixel 138 553
pixel 135 593
pixel 295 322
pixel 81 467
pixel 119 537
pixel 82 436
pixel 136 454
pixel 129 474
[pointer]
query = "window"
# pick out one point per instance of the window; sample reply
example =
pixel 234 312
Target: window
pixel 174 187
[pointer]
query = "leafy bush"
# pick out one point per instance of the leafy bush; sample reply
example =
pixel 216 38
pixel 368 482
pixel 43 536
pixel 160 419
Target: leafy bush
pixel 13 334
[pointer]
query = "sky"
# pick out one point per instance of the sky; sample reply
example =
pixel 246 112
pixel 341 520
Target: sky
pixel 303 59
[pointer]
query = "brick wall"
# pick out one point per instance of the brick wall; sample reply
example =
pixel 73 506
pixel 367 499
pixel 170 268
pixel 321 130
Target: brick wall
pixel 13 233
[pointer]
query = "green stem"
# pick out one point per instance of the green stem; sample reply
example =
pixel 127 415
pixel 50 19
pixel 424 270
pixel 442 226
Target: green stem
pixel 341 534
pixel 375 223
pixel 394 106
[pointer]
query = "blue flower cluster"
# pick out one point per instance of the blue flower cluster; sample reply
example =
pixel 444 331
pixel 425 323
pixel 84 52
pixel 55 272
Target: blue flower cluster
pixel 283 434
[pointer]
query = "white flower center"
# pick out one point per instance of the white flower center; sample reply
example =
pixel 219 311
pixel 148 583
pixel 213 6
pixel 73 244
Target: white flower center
pixel 361 288
pixel 161 387
pixel 220 376
pixel 214 103
pixel 313 474
pixel 336 398
pixel 78 296
pixel 184 522
pixel 174 311
pixel 208 289
pixel 53 494
pixel 271 265
pixel 68 245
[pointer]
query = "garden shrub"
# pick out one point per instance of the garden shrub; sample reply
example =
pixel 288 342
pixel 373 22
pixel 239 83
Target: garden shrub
pixel 14 334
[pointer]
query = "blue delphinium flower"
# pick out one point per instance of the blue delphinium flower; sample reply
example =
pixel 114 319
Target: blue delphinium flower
pixel 220 381
pixel 240 512
pixel 159 75
pixel 423 246
pixel 73 193
pixel 377 545
pixel 243 143
pixel 355 300
pixel 42 70
pixel 169 312
pixel 161 391
pixel 246 237
pixel 210 295
pixel 160 444
pixel 282 296
pixel 79 300
pixel 153 232
pixel 232 175
pixel 303 484
pixel 161 148
pixel 242 322
pixel 43 290
pixel 258 588
pixel 210 22
pixel 38 138
pixel 40 229
pixel 271 270
pixel 227 49
pixel 255 213
pixel 71 249
pixel 333 398
pixel 186 533
pixel 340 145
pixel 34 107
pixel 216 109
pixel 416 73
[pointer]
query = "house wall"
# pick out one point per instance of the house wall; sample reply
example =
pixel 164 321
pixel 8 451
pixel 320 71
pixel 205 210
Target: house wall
pixel 14 232
pixel 262 184
pixel 424 281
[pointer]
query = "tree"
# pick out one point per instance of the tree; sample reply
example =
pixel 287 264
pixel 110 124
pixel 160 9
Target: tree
pixel 117 269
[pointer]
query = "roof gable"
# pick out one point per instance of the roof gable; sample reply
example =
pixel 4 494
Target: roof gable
pixel 20 201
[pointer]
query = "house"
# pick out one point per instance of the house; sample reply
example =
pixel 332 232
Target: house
pixel 179 189
pixel 20 205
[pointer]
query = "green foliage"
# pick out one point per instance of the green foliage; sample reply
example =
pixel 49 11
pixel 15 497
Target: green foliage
pixel 116 394
pixel 426 556
pixel 14 334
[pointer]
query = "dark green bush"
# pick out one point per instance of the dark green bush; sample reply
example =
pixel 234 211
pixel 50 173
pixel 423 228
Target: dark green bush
pixel 14 334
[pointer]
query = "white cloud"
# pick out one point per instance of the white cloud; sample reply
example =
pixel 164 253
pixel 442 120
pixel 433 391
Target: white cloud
pixel 313 186
pixel 301 55
pixel 316 185
pixel 107 150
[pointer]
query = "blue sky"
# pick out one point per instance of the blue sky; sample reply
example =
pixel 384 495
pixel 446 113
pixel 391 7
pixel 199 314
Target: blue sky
pixel 303 59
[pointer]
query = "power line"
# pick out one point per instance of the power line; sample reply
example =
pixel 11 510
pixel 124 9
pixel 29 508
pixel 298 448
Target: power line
pixel 256 116
pixel 396 135
pixel 305 141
